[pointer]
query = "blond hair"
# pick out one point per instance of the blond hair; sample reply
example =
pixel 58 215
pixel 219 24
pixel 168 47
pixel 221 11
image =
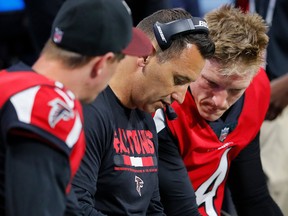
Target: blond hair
pixel 240 40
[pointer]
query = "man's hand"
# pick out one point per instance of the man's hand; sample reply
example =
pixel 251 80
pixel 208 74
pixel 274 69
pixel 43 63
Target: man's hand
pixel 279 97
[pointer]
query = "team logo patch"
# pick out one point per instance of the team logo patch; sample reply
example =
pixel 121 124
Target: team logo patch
pixel 139 184
pixel 224 133
pixel 58 34
pixel 59 111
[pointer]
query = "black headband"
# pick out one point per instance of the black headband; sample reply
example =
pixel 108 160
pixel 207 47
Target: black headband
pixel 164 32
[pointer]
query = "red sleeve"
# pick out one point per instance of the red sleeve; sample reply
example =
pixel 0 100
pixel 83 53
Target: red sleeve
pixel 48 112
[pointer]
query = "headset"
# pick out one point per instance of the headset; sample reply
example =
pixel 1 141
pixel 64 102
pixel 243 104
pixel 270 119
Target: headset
pixel 166 32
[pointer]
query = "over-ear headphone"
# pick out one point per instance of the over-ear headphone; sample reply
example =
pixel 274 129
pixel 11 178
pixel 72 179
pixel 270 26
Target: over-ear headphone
pixel 165 32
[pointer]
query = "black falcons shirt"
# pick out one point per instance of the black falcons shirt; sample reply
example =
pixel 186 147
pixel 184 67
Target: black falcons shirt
pixel 119 173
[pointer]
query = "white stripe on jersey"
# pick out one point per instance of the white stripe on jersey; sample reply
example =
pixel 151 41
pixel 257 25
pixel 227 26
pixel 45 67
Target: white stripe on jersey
pixel 23 103
pixel 74 134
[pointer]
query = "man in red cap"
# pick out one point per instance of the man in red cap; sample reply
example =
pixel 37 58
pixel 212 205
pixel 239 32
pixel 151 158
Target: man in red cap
pixel 42 139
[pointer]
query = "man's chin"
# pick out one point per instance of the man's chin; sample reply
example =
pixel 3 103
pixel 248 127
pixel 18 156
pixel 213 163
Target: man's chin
pixel 210 116
pixel 151 109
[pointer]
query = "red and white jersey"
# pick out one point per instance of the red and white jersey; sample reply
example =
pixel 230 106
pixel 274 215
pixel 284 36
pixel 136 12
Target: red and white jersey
pixel 207 159
pixel 44 109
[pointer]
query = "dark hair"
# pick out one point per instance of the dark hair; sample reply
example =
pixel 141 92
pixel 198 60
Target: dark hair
pixel 200 39
pixel 118 57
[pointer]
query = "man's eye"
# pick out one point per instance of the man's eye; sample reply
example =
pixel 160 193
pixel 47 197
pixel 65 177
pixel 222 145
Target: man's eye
pixel 212 84
pixel 180 81
pixel 235 91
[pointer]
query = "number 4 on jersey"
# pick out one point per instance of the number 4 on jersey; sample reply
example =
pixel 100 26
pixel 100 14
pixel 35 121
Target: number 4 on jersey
pixel 205 194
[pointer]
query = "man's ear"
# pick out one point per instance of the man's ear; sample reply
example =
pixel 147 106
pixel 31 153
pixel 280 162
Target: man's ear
pixel 142 61
pixel 99 63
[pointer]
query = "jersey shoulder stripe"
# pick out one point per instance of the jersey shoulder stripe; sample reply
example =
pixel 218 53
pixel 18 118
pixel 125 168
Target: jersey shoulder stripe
pixel 42 106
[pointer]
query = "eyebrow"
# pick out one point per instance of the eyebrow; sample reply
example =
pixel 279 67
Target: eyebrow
pixel 239 88
pixel 184 78
pixel 208 79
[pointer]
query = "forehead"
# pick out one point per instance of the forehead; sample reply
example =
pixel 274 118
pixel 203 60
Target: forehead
pixel 212 72
pixel 189 63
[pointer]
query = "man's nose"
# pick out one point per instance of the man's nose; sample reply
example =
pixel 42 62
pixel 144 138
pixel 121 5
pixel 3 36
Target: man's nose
pixel 220 97
pixel 179 94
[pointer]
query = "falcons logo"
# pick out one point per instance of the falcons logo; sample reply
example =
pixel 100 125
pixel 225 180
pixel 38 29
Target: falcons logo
pixel 60 110
pixel 139 184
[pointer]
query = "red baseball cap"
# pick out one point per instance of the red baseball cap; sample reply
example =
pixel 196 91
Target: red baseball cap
pixel 140 44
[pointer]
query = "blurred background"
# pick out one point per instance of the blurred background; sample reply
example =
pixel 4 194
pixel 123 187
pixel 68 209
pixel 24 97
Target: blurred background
pixel 25 24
